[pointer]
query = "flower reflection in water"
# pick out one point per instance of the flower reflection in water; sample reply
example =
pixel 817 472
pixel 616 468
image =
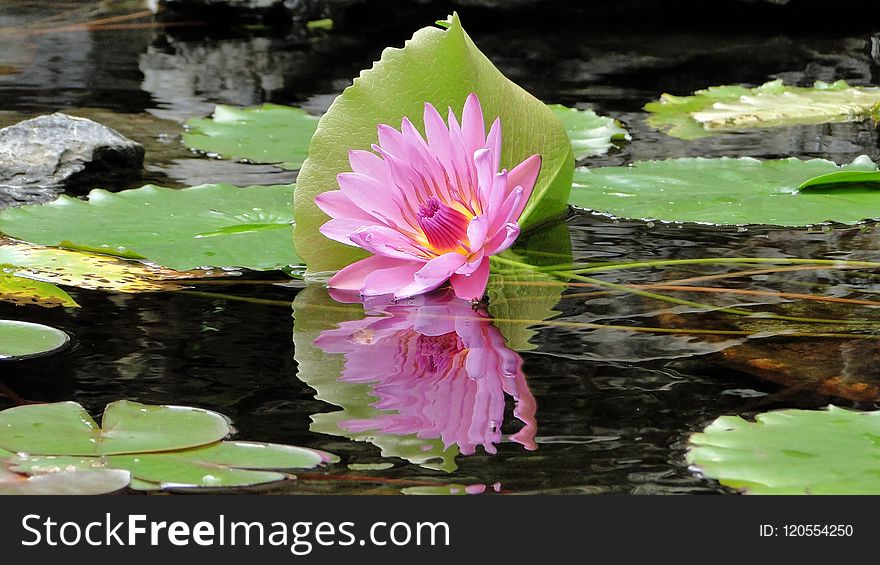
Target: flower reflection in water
pixel 438 368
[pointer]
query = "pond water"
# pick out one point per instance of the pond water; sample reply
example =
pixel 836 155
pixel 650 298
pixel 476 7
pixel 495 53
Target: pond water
pixel 591 409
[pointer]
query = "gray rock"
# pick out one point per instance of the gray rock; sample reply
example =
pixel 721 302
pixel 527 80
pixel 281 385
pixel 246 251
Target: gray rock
pixel 57 151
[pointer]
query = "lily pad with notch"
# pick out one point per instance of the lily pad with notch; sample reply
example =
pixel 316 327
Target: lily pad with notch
pixel 65 428
pixel 213 225
pixel 728 191
pixel 779 453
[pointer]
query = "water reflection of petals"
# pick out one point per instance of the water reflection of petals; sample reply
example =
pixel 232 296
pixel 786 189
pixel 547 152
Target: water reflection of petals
pixel 438 366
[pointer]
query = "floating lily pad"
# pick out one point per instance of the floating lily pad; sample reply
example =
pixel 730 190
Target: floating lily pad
pixel 216 225
pixel 440 66
pixel 28 274
pixel 590 133
pixel 833 451
pixel 222 464
pixel 263 134
pixel 729 108
pixel 726 191
pixel 22 291
pixel 104 481
pixel 65 428
pixel 21 340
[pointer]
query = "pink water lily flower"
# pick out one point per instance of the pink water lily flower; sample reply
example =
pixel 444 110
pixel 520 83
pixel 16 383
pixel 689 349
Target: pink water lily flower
pixel 430 209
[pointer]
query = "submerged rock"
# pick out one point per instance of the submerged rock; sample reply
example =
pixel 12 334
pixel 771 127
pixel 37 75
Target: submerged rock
pixel 41 156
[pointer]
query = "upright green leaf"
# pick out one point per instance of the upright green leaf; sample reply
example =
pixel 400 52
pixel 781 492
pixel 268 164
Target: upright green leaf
pixel 441 67
pixel 726 191
pixel 216 225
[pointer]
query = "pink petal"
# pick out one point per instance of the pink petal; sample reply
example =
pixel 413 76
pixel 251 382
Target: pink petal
pixel 368 163
pixel 433 274
pixel 473 263
pixel 392 141
pixel 438 136
pixel 473 286
pixel 485 176
pixel 340 229
pixel 387 281
pixel 463 173
pixel 371 196
pixel 352 277
pixel 503 239
pixel 477 230
pixel 493 143
pixel 473 128
pixel 505 213
pixel 525 174
pixel 381 240
pixel 336 204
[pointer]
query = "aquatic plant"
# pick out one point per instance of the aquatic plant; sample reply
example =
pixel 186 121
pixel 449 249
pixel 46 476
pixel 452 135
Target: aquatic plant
pixel 430 210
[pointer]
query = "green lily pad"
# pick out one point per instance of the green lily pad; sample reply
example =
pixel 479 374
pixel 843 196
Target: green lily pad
pixel 65 428
pixel 104 481
pixel 518 292
pixel 217 225
pixel 725 191
pixel 590 133
pixel 221 464
pixel 21 340
pixel 224 464
pixel 440 66
pixel 833 451
pixel 263 134
pixel 729 108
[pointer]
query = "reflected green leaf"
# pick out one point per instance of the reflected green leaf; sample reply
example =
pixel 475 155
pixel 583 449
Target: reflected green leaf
pixel 21 340
pixel 65 428
pixel 730 108
pixel 725 191
pixel 441 67
pixel 269 133
pixel 216 225
pixel 590 133
pixel 518 293
pixel 831 451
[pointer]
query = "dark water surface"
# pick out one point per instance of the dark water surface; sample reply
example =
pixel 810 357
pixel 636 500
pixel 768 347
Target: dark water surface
pixel 613 408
